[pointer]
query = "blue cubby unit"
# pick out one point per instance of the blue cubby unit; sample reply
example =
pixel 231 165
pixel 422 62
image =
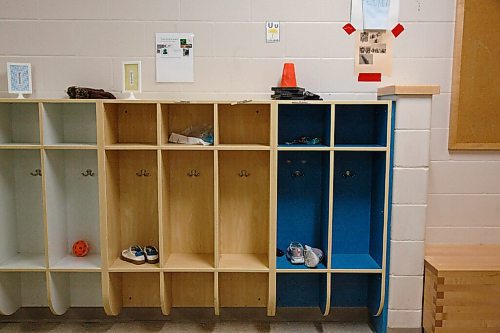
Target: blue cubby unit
pixel 298 120
pixel 301 290
pixel 356 291
pixel 361 125
pixel 358 210
pixel 302 202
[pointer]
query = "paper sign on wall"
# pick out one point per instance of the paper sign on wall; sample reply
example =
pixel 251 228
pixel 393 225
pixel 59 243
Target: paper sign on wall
pixel 174 57
pixel 272 32
pixel 373 52
pixel 374 14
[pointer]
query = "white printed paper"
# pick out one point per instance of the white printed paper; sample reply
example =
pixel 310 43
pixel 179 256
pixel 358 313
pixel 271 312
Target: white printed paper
pixel 272 32
pixel 374 14
pixel 174 57
pixel 357 14
pixel 373 52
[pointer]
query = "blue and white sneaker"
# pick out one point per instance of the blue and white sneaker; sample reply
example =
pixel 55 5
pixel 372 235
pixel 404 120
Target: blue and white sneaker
pixel 134 255
pixel 152 255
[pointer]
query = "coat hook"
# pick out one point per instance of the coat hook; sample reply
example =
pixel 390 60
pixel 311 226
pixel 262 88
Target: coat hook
pixel 297 173
pixel 88 172
pixel 193 173
pixel 348 174
pixel 143 173
pixel 244 173
pixel 35 173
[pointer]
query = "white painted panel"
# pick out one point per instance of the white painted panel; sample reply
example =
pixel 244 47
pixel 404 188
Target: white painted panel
pixel 52 124
pixel 25 125
pixel 5 123
pixel 69 123
pixel 33 289
pixel 60 297
pixel 86 289
pixel 10 293
pixel 8 236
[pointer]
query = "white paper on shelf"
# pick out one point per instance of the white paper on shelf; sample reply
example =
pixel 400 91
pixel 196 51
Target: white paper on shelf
pixel 174 57
pixel 186 140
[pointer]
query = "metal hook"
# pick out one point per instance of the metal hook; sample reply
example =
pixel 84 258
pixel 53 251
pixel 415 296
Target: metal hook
pixel 193 173
pixel 37 172
pixel 88 172
pixel 297 173
pixel 348 174
pixel 143 172
pixel 244 173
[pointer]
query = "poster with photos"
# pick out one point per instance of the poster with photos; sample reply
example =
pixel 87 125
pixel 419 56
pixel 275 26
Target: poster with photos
pixel 373 52
pixel 174 57
pixel 19 78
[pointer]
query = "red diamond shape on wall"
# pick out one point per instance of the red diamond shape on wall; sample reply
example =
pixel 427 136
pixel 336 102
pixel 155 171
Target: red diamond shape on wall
pixel 349 28
pixel 398 30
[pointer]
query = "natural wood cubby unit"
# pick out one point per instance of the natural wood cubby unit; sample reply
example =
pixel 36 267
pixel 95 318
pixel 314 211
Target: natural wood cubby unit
pixel 216 213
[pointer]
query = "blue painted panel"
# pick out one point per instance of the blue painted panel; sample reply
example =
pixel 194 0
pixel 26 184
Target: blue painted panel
pixel 303 201
pixel 295 121
pixel 300 290
pixel 358 207
pixel 284 263
pixel 361 124
pixel 354 261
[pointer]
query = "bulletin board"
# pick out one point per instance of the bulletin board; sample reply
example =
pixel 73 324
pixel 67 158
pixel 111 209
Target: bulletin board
pixel 475 100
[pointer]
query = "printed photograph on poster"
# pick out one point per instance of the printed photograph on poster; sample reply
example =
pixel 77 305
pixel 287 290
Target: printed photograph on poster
pixel 174 57
pixel 19 78
pixel 373 52
pixel 131 74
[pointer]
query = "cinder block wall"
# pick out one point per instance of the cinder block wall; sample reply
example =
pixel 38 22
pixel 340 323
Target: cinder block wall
pixel 73 42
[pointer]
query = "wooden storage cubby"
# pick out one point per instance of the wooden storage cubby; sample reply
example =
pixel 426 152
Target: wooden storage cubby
pixel 132 204
pixel 22 289
pixel 128 124
pixel 234 121
pixel 358 210
pixel 22 242
pixel 246 290
pixel 74 289
pixel 177 118
pixel 19 124
pixel 131 290
pixel 361 125
pixel 189 290
pixel 69 124
pixel 303 202
pixel 72 198
pixel 302 290
pixel 188 209
pixel 244 210
pixel 300 120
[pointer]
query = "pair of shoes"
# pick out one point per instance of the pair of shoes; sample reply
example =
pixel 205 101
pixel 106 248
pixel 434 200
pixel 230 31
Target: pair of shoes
pixel 138 255
pixel 298 254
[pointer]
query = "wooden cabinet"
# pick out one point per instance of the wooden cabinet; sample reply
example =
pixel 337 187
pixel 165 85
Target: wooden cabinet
pixel 105 171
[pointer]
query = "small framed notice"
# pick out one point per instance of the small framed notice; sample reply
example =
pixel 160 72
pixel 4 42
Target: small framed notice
pixel 19 78
pixel 132 78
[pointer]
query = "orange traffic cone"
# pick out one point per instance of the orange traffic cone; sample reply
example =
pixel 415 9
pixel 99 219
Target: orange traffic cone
pixel 288 77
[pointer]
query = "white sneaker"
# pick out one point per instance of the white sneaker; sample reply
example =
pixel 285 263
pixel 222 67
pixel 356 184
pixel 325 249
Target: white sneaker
pixel 152 255
pixel 312 256
pixel 134 255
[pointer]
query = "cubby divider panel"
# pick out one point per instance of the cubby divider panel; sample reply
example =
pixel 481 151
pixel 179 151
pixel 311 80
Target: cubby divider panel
pixel 188 209
pixel 189 290
pixel 130 123
pixel 19 123
pixel 244 209
pixel 244 124
pixel 74 290
pixel 132 290
pixel 362 124
pixel 301 120
pixel 358 210
pixel 243 290
pixel 69 123
pixel 22 242
pixel 179 118
pixel 301 290
pixel 22 289
pixel 132 204
pixel 356 291
pixel 303 203
pixel 72 198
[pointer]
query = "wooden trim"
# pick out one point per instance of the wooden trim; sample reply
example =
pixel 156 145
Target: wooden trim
pixel 409 90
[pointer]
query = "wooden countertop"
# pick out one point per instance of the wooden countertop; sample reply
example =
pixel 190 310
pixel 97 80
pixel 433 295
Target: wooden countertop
pixel 409 90
pixel 463 257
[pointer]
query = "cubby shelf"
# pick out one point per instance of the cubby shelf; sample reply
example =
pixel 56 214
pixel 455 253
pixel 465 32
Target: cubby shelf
pixel 216 213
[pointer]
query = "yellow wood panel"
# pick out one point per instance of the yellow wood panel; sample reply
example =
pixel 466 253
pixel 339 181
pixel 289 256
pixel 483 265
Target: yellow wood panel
pixel 409 90
pixel 243 289
pixel 463 257
pixel 189 200
pixel 140 289
pixel 244 202
pixel 178 117
pixel 244 123
pixel 192 289
pixel 130 123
